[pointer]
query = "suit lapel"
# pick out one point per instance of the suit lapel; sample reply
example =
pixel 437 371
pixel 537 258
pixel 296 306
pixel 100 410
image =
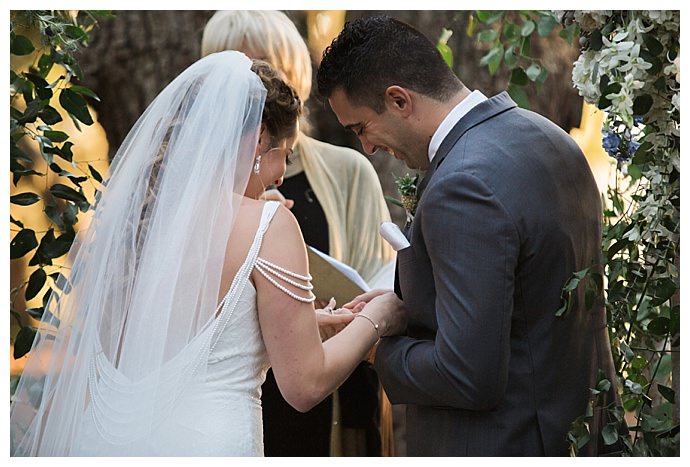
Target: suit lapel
pixel 479 114
pixel 482 112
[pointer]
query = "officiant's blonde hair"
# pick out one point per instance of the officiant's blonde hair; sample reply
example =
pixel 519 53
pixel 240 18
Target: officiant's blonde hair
pixel 270 35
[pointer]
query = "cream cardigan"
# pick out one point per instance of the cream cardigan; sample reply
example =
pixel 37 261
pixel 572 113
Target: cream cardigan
pixel 350 194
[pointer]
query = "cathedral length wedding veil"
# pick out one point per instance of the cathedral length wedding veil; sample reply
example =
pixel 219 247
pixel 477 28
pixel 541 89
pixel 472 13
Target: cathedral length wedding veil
pixel 133 329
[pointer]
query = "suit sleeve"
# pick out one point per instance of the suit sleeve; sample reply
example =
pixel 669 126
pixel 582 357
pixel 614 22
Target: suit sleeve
pixel 473 246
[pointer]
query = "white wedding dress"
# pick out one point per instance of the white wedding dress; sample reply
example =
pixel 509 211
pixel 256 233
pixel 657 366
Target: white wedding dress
pixel 219 416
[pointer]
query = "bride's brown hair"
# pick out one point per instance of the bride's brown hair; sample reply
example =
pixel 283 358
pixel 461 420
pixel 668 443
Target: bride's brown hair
pixel 282 107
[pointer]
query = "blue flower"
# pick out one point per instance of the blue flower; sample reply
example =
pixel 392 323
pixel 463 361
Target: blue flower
pixel 638 120
pixel 610 142
pixel 632 147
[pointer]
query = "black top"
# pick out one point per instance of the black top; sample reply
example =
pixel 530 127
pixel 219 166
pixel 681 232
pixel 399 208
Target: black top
pixel 307 210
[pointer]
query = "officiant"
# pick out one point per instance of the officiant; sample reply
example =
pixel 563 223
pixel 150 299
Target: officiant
pixel 335 194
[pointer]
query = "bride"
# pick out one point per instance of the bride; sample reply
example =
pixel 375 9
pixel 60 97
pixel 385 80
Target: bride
pixel 186 287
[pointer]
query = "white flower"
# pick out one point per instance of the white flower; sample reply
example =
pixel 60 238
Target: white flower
pixel 675 101
pixel 584 78
pixel 659 16
pixel 615 52
pixel 635 64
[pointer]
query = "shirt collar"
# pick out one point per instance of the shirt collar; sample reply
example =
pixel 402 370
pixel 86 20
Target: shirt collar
pixel 453 117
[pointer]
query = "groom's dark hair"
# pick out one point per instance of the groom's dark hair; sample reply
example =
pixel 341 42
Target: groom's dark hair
pixel 371 54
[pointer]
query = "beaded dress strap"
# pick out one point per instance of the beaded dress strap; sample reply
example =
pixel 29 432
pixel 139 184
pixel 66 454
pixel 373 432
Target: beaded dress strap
pixel 273 273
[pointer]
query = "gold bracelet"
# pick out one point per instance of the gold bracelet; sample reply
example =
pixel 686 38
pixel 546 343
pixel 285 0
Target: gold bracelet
pixel 376 326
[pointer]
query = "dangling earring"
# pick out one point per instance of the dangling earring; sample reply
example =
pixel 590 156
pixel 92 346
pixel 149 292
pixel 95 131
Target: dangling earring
pixel 257 164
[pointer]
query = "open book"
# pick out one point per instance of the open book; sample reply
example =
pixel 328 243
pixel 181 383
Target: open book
pixel 333 278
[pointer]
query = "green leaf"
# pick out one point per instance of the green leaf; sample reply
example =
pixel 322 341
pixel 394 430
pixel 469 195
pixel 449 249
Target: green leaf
pixel 75 105
pixel 667 393
pixel 77 33
pixel 95 174
pixel 664 290
pixel 63 191
pixel 493 59
pixel 642 104
pixel 66 151
pixel 634 172
pixel 69 217
pixel 639 362
pixel 40 85
pixel 58 247
pixel 509 57
pixel 664 368
pixel 511 32
pixel 518 77
pixel 518 94
pixel 489 16
pixel 546 24
pixel 394 201
pixel 603 385
pixel 36 282
pixel 533 71
pixel 635 388
pixel 56 136
pixel 16 222
pixel 54 215
pixel 659 326
pixel 595 42
pixel 631 404
pixel 84 91
pixel 22 243
pixel 25 199
pixel 653 59
pixel 652 44
pixel 45 64
pixel 527 28
pixel 488 35
pixel 31 112
pixel 446 53
pixel 20 45
pixel 24 341
pixel 610 434
pixel 570 32
pixel 49 115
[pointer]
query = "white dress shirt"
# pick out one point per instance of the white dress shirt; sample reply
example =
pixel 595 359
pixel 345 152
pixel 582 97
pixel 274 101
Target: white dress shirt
pixel 452 118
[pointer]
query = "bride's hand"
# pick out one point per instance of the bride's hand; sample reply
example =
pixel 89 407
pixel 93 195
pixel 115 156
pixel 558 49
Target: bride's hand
pixel 331 321
pixel 388 311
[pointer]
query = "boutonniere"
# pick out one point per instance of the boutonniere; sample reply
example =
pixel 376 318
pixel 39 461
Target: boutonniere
pixel 407 188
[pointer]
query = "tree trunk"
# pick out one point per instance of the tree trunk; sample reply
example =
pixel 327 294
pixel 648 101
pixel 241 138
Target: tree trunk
pixel 132 57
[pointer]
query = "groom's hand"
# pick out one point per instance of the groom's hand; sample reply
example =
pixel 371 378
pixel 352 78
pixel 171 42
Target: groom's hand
pixel 363 299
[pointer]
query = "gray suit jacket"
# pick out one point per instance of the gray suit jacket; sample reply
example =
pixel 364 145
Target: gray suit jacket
pixel 509 209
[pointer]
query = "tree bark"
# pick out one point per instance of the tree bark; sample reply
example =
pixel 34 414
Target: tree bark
pixel 132 57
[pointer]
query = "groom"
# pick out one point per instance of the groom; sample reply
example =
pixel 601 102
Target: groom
pixel 507 211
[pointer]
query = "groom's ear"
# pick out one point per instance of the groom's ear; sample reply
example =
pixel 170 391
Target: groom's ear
pixel 398 100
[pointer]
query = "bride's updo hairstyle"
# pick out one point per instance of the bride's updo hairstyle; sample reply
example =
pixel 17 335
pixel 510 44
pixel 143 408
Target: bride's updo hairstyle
pixel 282 107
